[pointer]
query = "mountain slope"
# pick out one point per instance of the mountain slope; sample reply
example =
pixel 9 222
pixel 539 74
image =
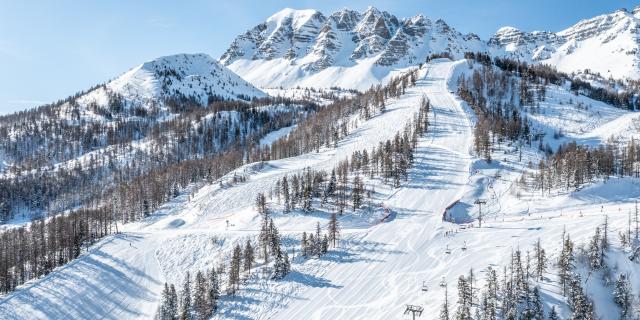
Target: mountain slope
pixel 358 49
pixel 347 49
pixel 182 75
pixel 607 44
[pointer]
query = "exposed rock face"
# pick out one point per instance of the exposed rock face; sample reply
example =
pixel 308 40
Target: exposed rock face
pixel 305 47
pixel 308 38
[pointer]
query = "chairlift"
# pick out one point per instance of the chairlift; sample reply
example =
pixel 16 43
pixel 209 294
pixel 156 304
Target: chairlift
pixel 443 283
pixel 464 247
pixel 424 286
pixel 447 250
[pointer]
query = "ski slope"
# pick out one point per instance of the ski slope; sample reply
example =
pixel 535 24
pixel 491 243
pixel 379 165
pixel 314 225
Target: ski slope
pixel 377 268
pixel 380 282
pixel 120 277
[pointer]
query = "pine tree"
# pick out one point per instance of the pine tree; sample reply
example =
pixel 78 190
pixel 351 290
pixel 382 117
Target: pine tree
pixel 285 195
pixel 318 243
pixel 261 203
pixel 234 270
pixel 164 312
pixel 553 314
pixel 541 260
pixel 200 306
pixel 622 296
pixel 173 303
pixel 248 257
pixel 281 265
pixel 306 197
pixel 185 303
pixel 537 308
pixel 334 229
pixel 331 186
pixel 356 194
pixel 304 245
pixel 325 244
pixel 464 300
pixel 565 263
pixel 214 290
pixel 594 250
pixel 264 238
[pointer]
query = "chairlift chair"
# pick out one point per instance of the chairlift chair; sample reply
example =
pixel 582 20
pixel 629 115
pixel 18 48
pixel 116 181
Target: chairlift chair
pixel 443 283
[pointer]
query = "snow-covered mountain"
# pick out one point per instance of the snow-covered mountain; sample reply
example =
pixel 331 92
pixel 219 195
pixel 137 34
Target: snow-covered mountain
pixel 358 49
pixel 607 44
pixel 347 48
pixel 197 76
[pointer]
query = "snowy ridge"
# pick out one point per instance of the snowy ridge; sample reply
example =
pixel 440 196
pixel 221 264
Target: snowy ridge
pixel 183 75
pixel 358 49
pixel 347 48
pixel 607 44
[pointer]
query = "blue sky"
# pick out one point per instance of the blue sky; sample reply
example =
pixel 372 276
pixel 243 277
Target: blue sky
pixel 52 49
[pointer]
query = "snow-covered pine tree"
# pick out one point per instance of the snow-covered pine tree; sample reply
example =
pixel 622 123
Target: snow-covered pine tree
pixel 541 260
pixel 234 271
pixel 464 300
pixel 200 306
pixel 261 203
pixel 325 244
pixel 285 195
pixel 185 295
pixel 172 307
pixel 214 290
pixel 489 303
pixel 274 237
pixel 264 238
pixel 303 244
pixel 593 251
pixel 311 246
pixel 248 257
pixel 622 296
pixel 163 312
pixel 536 305
pixel 553 314
pixel 565 263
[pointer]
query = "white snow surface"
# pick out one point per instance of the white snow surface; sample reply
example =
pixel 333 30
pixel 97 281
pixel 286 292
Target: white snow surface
pixel 197 75
pixel 377 268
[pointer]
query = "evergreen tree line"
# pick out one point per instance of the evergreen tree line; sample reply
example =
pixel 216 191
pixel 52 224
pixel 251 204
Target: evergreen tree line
pixel 574 165
pixel 544 73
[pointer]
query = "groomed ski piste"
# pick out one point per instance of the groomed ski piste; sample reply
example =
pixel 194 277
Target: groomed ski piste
pixel 378 266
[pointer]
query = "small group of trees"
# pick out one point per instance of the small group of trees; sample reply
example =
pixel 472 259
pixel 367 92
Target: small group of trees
pixel 316 245
pixel 195 301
